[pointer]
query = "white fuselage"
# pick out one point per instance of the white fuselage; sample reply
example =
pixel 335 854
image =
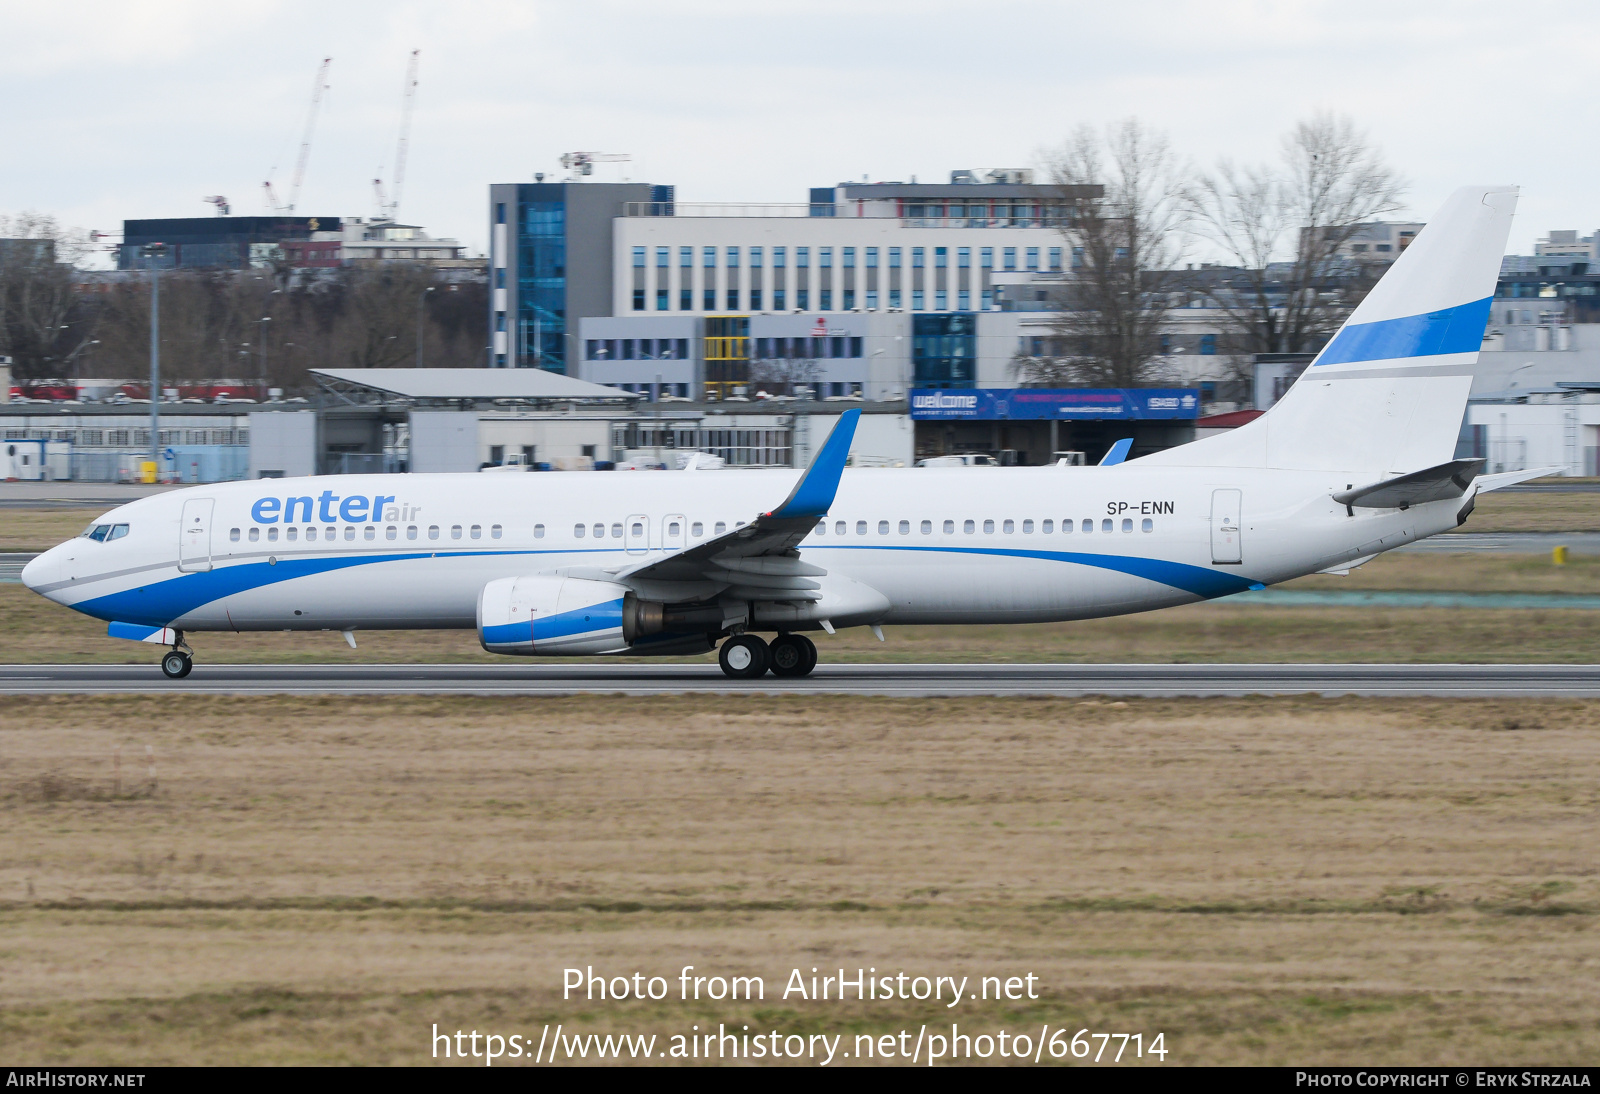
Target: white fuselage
pixel 960 545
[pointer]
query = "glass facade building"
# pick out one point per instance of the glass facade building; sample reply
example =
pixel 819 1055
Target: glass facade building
pixel 944 349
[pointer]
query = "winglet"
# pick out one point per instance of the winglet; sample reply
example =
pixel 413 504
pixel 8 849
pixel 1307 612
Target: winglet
pixel 1118 452
pixel 813 494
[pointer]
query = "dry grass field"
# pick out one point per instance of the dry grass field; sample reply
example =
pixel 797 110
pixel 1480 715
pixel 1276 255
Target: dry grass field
pixel 1264 881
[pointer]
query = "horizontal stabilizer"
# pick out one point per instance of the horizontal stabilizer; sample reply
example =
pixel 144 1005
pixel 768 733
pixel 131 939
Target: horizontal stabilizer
pixel 1487 483
pixel 1448 480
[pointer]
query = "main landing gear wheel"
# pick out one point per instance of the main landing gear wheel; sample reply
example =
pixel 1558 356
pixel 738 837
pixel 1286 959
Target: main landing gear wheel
pixel 176 665
pixel 793 655
pixel 744 657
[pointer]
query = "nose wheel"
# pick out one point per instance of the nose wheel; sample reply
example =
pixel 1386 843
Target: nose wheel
pixel 176 665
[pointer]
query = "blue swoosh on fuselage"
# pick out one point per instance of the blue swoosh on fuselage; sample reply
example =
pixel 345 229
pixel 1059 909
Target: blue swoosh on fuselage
pixel 159 603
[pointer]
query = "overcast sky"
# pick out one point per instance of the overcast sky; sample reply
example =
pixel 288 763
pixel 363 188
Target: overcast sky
pixel 113 110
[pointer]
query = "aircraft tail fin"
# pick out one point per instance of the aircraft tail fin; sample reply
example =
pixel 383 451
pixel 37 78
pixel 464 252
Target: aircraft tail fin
pixel 1387 393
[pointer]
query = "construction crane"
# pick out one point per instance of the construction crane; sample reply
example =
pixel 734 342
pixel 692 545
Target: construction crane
pixel 305 147
pixel 387 209
pixel 582 163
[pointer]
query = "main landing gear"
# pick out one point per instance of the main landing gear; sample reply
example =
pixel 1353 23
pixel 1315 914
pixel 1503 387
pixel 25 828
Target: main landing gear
pixel 747 657
pixel 179 660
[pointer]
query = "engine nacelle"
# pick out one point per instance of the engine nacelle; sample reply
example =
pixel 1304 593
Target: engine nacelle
pixel 549 616
pixel 552 616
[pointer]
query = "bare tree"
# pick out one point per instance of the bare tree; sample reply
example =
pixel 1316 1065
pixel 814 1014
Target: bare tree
pixel 44 323
pixel 1113 306
pixel 1284 225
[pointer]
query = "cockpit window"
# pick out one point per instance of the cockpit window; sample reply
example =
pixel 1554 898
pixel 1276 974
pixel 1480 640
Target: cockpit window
pixel 98 532
pixel 118 531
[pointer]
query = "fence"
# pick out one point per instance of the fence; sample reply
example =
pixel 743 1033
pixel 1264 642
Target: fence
pixel 187 463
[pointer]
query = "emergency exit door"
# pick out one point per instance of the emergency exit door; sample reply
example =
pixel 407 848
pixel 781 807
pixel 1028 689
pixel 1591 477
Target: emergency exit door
pixel 1226 546
pixel 637 536
pixel 194 537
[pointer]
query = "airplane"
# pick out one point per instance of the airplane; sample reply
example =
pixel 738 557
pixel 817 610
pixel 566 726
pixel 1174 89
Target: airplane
pixel 1356 459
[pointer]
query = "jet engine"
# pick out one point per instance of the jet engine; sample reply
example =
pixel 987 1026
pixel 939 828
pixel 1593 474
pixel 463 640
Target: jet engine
pixel 552 616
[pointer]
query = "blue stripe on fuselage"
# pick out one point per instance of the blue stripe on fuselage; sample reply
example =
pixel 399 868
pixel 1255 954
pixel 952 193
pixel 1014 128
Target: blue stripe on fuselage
pixel 161 602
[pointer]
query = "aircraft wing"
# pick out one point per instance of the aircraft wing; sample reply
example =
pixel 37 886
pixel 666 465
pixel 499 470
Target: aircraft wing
pixel 758 560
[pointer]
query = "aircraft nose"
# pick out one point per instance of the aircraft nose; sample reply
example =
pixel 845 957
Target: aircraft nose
pixel 41 569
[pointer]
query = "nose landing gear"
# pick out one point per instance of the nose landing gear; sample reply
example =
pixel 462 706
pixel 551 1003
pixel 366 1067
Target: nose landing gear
pixel 179 660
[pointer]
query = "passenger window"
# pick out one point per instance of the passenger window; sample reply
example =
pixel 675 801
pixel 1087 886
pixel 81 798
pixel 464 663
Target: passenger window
pixel 411 531
pixel 1027 527
pixel 861 527
pixel 391 532
pixel 455 531
pixel 272 535
pixel 905 528
pixel 494 531
pixel 1046 527
pixel 233 534
pixel 538 531
pixel 118 531
pixel 988 527
pixel 1088 525
pixel 370 533
pixel 477 531
pixel 349 533
pixel 1105 525
pixel 1009 526
pixel 927 527
pixel 721 527
pixel 968 527
pixel 673 528
pixel 840 527
pixel 1127 524
pixel 599 531
pixel 578 531
pixel 311 534
pixel 255 534
pixel 1148 525
pixel 291 533
pixel 1066 527
pixel 821 528
pixel 949 527
pixel 330 533
pixel 697 529
pixel 638 529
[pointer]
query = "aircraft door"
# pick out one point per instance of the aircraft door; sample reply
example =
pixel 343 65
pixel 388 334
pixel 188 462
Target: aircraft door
pixel 637 534
pixel 672 532
pixel 1226 546
pixel 194 537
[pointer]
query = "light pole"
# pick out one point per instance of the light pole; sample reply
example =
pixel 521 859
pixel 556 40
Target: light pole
pixel 262 337
pixel 422 300
pixel 152 252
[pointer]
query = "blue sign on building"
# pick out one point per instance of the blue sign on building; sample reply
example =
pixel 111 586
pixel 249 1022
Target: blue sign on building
pixel 1067 404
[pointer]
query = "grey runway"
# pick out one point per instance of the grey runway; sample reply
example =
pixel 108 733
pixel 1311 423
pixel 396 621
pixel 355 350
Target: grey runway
pixel 1551 681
